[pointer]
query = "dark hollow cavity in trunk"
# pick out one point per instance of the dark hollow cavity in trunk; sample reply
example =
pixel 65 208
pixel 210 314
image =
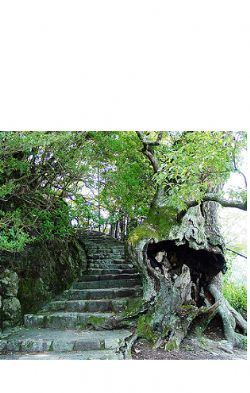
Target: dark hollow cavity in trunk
pixel 203 265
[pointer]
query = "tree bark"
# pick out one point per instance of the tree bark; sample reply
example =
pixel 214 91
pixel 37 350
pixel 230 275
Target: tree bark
pixel 242 205
pixel 183 292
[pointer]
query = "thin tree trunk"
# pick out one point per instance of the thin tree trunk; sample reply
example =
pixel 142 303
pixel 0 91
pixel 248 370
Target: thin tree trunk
pixel 117 229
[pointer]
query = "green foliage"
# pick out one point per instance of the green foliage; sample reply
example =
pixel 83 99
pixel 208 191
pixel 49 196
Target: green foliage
pixel 144 231
pixel 49 179
pixel 236 295
pixel 162 219
pixel 37 173
pixel 12 233
pixel 125 173
pixel 195 162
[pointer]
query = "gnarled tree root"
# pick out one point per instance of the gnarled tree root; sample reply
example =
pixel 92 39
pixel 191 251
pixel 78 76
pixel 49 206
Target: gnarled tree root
pixel 230 318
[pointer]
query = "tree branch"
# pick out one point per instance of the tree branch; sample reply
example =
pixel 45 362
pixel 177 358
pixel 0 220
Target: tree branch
pixel 147 149
pixel 237 253
pixel 210 197
pixel 235 165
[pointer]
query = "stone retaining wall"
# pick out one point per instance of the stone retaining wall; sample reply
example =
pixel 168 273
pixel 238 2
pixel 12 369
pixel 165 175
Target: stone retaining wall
pixel 31 278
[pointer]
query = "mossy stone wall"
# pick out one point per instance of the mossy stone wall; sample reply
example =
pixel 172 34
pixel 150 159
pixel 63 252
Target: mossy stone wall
pixel 41 271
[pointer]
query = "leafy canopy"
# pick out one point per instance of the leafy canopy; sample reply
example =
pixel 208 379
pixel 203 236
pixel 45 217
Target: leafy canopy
pixel 50 179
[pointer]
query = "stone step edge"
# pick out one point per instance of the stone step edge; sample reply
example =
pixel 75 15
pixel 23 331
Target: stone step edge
pixel 111 305
pixel 108 276
pixel 70 314
pixel 52 345
pixel 108 279
pixel 120 299
pixel 104 284
pixel 116 289
pixel 120 270
pixel 106 354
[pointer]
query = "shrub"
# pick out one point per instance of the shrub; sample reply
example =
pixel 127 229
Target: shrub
pixel 236 295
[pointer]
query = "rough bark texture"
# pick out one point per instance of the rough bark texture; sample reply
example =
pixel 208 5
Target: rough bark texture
pixel 182 281
pixel 182 272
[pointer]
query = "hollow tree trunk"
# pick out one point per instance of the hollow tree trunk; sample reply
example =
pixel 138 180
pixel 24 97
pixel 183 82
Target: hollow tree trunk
pixel 181 275
pixel 184 290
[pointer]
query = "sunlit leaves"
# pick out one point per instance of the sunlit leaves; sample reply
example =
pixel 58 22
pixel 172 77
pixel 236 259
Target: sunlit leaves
pixel 49 179
pixel 195 162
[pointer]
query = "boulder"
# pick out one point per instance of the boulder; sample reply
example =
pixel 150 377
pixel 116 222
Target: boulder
pixel 8 283
pixel 11 311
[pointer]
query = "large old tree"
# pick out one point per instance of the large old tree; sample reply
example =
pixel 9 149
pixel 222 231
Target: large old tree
pixel 179 248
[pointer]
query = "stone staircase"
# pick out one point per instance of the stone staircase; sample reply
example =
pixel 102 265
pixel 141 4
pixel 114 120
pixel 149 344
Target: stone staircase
pixel 60 329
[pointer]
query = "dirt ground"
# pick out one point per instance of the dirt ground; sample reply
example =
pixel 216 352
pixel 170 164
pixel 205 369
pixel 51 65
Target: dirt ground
pixel 210 346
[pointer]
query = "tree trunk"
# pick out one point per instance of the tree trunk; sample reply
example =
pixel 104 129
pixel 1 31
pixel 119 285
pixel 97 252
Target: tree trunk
pixel 181 275
pixel 117 230
pixel 182 280
pixel 112 229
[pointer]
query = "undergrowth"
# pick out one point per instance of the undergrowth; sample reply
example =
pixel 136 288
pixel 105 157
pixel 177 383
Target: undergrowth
pixel 236 295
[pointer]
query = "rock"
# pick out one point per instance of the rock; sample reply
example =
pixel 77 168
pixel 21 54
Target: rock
pixel 112 343
pixel 63 346
pixel 35 346
pixel 11 311
pixel 8 283
pixel 3 345
pixel 13 346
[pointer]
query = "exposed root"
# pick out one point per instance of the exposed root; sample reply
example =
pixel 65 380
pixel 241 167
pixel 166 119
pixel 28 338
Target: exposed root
pixel 206 314
pixel 240 321
pixel 230 318
pixel 126 320
pixel 128 345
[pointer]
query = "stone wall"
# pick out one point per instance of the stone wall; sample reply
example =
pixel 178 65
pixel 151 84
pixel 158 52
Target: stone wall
pixel 31 278
pixel 10 307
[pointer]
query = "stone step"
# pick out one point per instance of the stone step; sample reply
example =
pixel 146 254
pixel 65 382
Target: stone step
pixel 50 340
pixel 101 271
pixel 119 260
pixel 104 293
pixel 101 248
pixel 107 284
pixel 104 245
pixel 103 255
pixel 63 320
pixel 97 265
pixel 109 276
pixel 107 261
pixel 101 305
pixel 80 355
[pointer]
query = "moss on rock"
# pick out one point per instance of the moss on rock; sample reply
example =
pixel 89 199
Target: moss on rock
pixel 43 269
pixel 144 328
pixel 133 306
